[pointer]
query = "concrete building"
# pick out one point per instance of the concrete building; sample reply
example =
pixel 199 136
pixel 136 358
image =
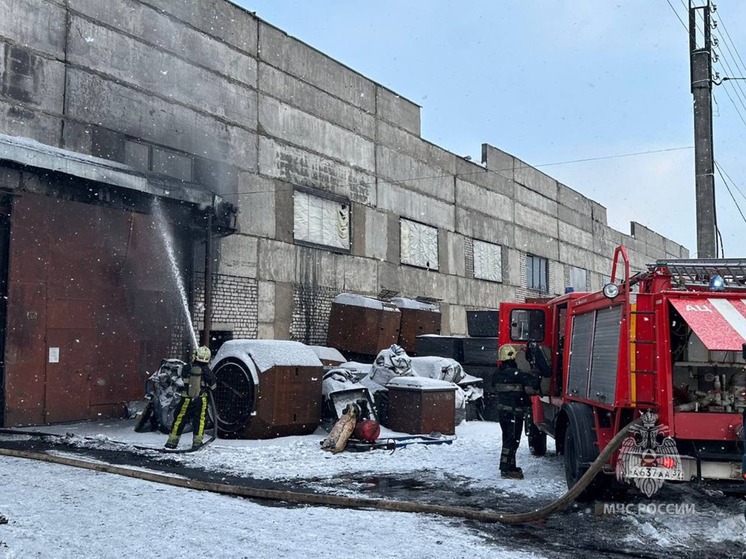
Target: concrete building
pixel 335 188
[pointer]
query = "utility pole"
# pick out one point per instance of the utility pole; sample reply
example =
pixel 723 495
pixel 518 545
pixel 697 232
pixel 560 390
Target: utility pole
pixel 704 159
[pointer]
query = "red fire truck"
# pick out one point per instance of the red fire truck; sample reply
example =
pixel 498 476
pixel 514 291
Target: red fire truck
pixel 671 339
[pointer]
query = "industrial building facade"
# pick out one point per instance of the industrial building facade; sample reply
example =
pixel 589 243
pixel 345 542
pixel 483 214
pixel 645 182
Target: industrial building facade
pixel 336 191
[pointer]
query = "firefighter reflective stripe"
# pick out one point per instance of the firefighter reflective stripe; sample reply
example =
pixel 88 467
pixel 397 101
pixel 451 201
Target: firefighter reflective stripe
pixel 202 414
pixel 508 388
pixel 180 417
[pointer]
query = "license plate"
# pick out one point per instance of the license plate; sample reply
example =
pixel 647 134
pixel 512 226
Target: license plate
pixel 656 473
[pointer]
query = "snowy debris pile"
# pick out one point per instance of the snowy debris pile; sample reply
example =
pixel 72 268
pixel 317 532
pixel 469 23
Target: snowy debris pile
pixel 340 388
pixel 391 367
pixel 163 392
pixel 390 363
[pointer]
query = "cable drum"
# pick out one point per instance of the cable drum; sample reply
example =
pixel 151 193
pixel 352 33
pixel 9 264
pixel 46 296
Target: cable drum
pixel 234 396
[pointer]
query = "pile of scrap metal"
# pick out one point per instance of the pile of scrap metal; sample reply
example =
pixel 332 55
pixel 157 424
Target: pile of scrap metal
pixel 355 393
pixel 163 399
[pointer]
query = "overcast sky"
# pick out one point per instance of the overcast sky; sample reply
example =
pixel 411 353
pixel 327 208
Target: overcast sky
pixel 553 81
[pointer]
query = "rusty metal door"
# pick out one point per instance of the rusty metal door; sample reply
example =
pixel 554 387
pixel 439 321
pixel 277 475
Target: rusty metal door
pixel 69 370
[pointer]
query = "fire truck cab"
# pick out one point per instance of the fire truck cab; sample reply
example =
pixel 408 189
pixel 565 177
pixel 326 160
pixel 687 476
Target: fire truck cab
pixel 671 339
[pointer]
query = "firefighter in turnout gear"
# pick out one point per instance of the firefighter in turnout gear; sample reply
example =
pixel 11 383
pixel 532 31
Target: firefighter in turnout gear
pixel 198 378
pixel 514 388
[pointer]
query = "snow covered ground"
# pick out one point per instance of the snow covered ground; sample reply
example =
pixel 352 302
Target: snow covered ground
pixel 59 512
pixel 55 511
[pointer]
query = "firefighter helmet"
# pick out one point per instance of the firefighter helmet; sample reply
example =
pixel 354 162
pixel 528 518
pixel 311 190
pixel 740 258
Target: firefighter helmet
pixel 506 353
pixel 203 354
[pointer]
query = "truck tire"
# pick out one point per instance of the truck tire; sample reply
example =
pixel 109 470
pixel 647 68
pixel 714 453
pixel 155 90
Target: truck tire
pixel 537 441
pixel 581 451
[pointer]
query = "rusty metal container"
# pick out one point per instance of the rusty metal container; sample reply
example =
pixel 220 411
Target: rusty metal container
pixel 267 389
pixel 421 406
pixel 417 319
pixel 362 325
pixel 328 356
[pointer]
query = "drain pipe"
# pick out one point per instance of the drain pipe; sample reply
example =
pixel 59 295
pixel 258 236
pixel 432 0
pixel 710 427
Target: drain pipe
pixel 208 278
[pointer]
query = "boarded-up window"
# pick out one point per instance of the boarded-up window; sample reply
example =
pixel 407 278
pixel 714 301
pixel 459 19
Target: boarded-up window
pixel 419 244
pixel 321 221
pixel 488 264
pixel 578 279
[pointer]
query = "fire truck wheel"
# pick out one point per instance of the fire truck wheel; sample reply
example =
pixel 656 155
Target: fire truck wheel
pixel 537 441
pixel 575 468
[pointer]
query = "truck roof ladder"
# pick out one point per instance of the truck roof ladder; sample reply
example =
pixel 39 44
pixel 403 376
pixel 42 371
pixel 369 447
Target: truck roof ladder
pixel 732 270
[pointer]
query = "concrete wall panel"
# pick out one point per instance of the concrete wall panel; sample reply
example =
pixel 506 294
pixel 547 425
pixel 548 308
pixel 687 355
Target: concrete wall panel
pixel 315 101
pixel 157 28
pixel 94 100
pixel 238 256
pixel 304 62
pixel 485 201
pixel 414 146
pixel 497 161
pixel 302 168
pixel 415 206
pixel 485 228
pixel 19 121
pixel 132 62
pixel 535 220
pixel 360 275
pixel 455 254
pixel 535 200
pixel 415 175
pixel 532 242
pixel 575 235
pixel 276 261
pixel 31 79
pixel 292 125
pixel 35 23
pixel 534 179
pixel 397 110
pixel 223 20
pixel 573 199
pixel 256 203
pixel 376 234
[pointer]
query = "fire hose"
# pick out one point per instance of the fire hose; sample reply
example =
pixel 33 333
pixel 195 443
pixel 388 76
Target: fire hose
pixel 340 501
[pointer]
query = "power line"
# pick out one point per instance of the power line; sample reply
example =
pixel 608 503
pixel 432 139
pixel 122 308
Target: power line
pixel 677 15
pixel 725 29
pixel 731 180
pixel 725 182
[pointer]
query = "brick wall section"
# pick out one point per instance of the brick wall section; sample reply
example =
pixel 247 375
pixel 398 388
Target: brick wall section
pixel 312 305
pixel 235 303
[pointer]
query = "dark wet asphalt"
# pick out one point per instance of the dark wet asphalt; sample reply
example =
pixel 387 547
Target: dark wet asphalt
pixel 577 532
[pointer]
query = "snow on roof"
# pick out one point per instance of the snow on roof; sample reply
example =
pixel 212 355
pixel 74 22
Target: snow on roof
pixel 404 303
pixel 273 353
pixel 355 300
pixel 328 353
pixel 420 383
